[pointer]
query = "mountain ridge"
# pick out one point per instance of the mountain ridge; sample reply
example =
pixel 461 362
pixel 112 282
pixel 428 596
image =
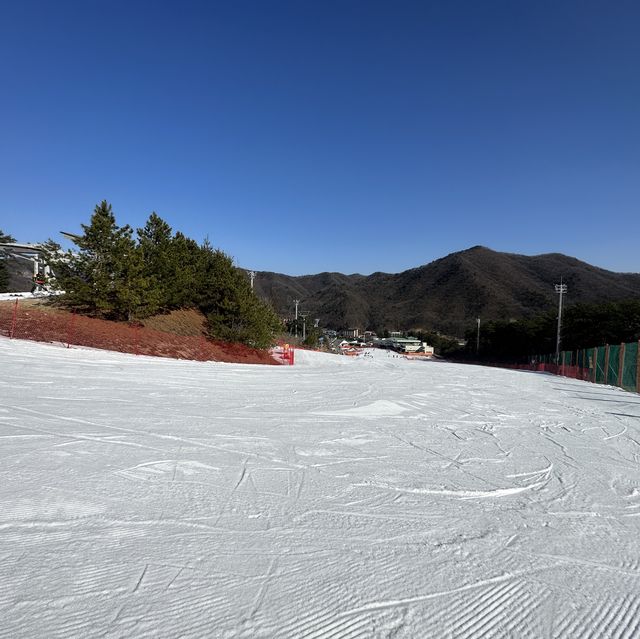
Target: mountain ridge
pixel 447 294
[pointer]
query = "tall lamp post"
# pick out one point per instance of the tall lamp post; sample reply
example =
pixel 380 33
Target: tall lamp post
pixel 561 289
pixel 296 302
pixel 304 325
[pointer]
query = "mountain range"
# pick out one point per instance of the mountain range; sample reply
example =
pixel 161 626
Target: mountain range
pixel 448 294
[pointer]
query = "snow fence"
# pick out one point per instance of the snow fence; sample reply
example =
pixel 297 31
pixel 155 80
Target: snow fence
pixel 614 365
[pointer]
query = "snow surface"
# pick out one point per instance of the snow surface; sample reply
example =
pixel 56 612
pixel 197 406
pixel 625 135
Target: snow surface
pixel 26 295
pixel 368 497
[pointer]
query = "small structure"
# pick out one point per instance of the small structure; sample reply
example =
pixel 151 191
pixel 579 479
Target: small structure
pixel 27 265
pixel 406 345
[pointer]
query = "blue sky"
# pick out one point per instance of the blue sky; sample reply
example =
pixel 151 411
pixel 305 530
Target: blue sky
pixel 329 136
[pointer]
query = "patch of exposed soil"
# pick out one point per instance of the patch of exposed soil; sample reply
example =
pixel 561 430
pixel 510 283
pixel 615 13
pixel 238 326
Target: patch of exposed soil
pixel 182 336
pixel 187 321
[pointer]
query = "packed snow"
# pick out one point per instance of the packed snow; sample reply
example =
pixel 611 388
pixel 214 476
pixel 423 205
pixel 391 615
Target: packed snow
pixel 341 497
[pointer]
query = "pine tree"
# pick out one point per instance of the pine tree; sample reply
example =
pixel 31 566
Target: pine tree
pixel 105 277
pixel 187 281
pixel 155 243
pixel 234 312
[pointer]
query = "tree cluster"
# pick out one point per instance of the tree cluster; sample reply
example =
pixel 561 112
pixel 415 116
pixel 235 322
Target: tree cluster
pixel 583 326
pixel 116 274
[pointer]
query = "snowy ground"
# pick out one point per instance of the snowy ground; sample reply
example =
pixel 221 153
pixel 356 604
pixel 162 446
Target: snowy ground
pixel 337 498
pixel 26 295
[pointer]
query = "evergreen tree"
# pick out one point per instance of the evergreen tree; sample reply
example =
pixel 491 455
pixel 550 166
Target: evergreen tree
pixel 155 243
pixel 105 277
pixel 187 281
pixel 234 312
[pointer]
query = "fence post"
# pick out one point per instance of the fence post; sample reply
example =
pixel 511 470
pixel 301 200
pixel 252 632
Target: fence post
pixel 621 365
pixel 606 363
pixel 14 319
pixel 594 367
pixel 70 327
pixel 136 344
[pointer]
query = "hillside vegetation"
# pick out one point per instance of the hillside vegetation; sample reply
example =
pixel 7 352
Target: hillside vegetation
pixel 118 275
pixel 583 326
pixel 448 294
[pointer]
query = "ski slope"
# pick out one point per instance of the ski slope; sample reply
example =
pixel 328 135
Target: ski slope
pixel 369 497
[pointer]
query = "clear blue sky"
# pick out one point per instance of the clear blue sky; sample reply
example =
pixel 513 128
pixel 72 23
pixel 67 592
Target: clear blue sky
pixel 345 136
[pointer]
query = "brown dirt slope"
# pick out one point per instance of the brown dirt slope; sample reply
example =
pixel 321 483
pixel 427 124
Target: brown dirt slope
pixel 183 337
pixel 188 322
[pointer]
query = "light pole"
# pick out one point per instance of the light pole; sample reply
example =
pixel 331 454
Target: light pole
pixel 304 325
pixel 561 289
pixel 296 302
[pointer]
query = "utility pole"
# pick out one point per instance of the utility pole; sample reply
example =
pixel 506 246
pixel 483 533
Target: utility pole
pixel 561 289
pixel 304 315
pixel 478 338
pixel 296 302
pixel 252 275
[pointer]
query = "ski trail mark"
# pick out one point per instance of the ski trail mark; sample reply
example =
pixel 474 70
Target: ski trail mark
pixel 142 574
pixel 460 494
pixel 233 491
pixel 257 602
pixel 394 603
pixel 173 579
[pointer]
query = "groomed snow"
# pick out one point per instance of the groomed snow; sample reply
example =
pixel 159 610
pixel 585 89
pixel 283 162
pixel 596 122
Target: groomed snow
pixel 369 497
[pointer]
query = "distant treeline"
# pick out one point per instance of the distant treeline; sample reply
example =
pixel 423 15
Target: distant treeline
pixel 116 274
pixel 583 326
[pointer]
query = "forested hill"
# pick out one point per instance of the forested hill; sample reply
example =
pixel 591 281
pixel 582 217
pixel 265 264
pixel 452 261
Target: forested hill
pixel 447 294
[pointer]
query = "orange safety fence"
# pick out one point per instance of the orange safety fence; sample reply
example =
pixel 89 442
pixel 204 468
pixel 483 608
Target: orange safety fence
pixel 284 353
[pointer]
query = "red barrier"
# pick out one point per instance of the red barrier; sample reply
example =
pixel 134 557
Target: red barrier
pixel 284 353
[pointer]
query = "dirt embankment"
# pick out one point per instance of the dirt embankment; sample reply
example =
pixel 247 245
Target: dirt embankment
pixel 180 334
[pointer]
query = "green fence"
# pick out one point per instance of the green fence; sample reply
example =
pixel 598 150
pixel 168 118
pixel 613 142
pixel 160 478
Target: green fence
pixel 615 365
pixel 629 372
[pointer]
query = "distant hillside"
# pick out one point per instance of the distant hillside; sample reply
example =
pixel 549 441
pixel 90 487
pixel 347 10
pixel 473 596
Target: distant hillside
pixel 447 294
